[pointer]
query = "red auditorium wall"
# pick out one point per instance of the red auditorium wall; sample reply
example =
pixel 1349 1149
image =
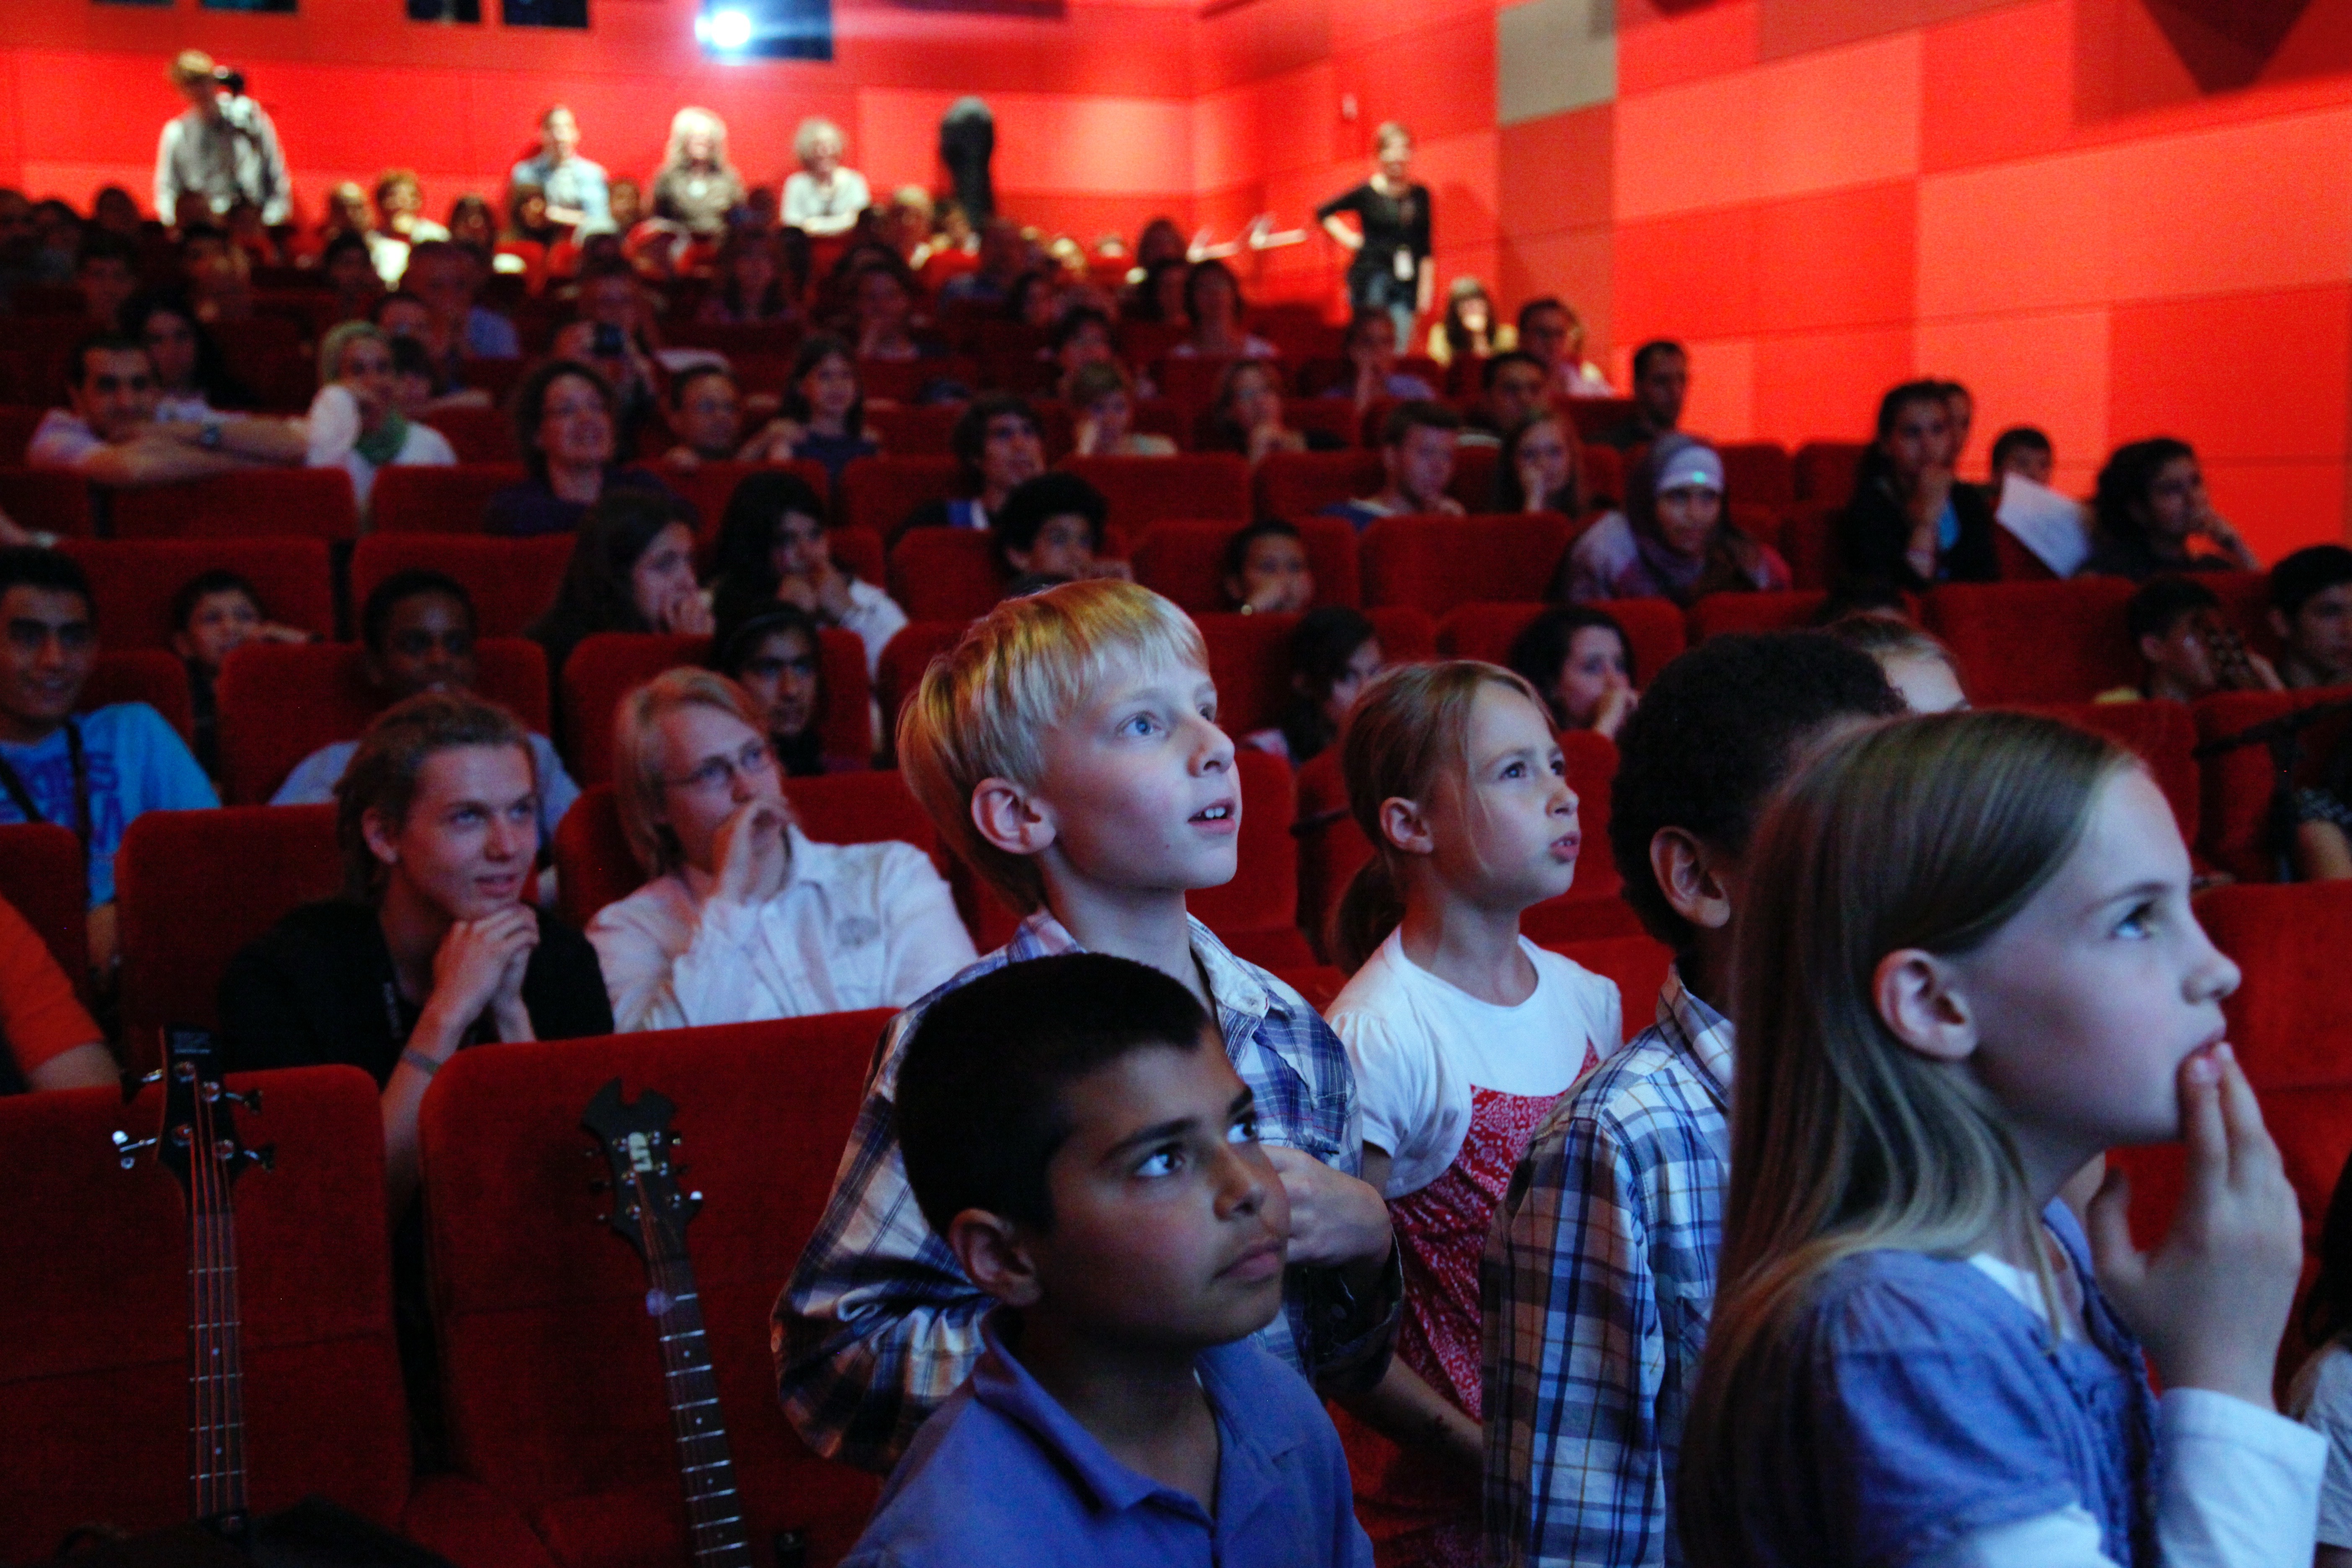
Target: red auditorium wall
pixel 2113 217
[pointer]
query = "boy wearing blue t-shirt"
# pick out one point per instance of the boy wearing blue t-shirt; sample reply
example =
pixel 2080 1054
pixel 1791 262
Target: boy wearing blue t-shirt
pixel 1074 1131
pixel 93 772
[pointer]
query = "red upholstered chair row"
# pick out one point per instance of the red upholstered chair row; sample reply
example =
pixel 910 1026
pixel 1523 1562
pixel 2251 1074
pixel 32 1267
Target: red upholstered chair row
pixel 554 1378
pixel 41 877
pixel 315 503
pixel 1437 563
pixel 1824 471
pixel 1185 561
pixel 2236 785
pixel 437 500
pixel 134 581
pixel 93 1347
pixel 1299 484
pixel 1655 629
pixel 49 500
pixel 1249 660
pixel 880 492
pixel 142 675
pixel 605 667
pixel 278 703
pixel 511 581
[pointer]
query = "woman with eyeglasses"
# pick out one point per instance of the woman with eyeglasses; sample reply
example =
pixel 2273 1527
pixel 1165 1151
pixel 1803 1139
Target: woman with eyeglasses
pixel 744 917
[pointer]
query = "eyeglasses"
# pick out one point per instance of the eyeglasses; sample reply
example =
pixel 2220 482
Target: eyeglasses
pixel 721 772
pixel 804 667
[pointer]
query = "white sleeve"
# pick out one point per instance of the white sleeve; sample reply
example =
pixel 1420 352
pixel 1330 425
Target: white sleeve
pixel 2325 1390
pixel 427 449
pixel 167 178
pixel 333 424
pixel 875 618
pixel 1397 1088
pixel 651 987
pixel 924 940
pixel 2066 1539
pixel 717 979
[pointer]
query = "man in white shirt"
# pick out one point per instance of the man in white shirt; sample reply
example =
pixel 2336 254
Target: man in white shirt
pixel 222 148
pixel 745 916
pixel 109 434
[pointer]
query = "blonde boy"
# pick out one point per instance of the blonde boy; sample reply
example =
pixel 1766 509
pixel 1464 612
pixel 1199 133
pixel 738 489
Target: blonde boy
pixel 1068 752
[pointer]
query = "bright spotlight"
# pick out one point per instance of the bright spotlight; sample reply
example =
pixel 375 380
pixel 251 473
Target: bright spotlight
pixel 741 30
pixel 730 29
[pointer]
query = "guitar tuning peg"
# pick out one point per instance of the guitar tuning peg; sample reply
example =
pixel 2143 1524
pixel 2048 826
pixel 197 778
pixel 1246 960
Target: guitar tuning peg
pixel 248 1098
pixel 604 1219
pixel 155 1076
pixel 265 1158
pixel 129 1147
pixel 696 1197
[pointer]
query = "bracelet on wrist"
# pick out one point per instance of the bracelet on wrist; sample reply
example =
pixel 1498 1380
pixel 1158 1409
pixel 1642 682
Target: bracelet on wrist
pixel 419 1060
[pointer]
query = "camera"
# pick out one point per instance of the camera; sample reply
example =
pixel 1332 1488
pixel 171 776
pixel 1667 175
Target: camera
pixel 231 78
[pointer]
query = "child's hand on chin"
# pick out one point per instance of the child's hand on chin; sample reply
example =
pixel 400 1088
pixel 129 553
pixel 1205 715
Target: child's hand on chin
pixel 2210 1302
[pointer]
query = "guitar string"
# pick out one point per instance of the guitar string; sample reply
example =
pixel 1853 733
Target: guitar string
pixel 706 1522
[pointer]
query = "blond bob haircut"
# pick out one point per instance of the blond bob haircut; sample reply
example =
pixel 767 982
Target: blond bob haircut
pixel 383 775
pixel 817 131
pixel 637 754
pixel 982 709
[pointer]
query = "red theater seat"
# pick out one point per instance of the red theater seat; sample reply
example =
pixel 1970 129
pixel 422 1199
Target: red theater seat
pixel 916 430
pixel 316 502
pixel 1250 661
pixel 2164 736
pixel 1591 416
pixel 142 675
pixel 708 486
pixel 2037 642
pixel 879 492
pixel 903 663
pixel 1637 965
pixel 1144 490
pixel 134 581
pixel 1824 471
pixel 411 500
pixel 555 1378
pixel 1653 629
pixel 1604 475
pixel 1759 473
pixel 41 877
pixel 196 886
pixel 1719 613
pixel 1185 561
pixel 52 501
pixel 1435 564
pixel 278 703
pixel 904 381
pixel 17 423
pixel 511 581
pixel 2235 786
pixel 1193 378
pixel 1300 484
pixel 607 667
pixel 946 574
pixel 478 435
pixel 1809 544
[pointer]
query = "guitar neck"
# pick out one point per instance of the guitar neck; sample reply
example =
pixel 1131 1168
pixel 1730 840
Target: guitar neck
pixel 216 1338
pixel 714 1510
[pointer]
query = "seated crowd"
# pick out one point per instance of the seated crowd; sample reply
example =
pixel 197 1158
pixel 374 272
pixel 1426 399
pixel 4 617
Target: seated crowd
pixel 1133 1247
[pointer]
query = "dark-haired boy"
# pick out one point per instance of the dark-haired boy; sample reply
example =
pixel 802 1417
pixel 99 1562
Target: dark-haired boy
pixel 1417 450
pixel 2310 611
pixel 1052 526
pixel 1600 1271
pixel 214 614
pixel 1074 1132
pixel 2175 624
pixel 999 445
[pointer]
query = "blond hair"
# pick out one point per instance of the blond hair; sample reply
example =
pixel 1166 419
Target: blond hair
pixel 187 67
pixel 1928 833
pixel 1408 736
pixel 637 754
pixel 684 124
pixel 813 131
pixel 982 708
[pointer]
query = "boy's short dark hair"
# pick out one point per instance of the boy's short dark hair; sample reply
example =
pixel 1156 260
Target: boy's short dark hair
pixel 2156 607
pixel 375 616
pixel 2307 573
pixel 1497 364
pixel 1651 350
pixel 980 1089
pixel 1049 495
pixel 684 381
pixel 970 436
pixel 1237 548
pixel 2018 438
pixel 1541 302
pixel 1715 733
pixel 204 585
pixel 1417 413
pixel 29 566
pixel 102 343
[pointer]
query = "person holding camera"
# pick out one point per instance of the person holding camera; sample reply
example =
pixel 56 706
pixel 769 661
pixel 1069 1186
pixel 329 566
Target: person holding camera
pixel 221 148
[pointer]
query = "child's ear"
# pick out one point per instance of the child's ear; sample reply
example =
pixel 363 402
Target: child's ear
pixel 1406 825
pixel 378 832
pixel 1690 873
pixel 1918 996
pixel 994 1257
pixel 2151 649
pixel 2280 627
pixel 1012 818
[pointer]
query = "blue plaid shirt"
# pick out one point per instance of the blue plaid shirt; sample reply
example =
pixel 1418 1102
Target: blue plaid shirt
pixel 879 1325
pixel 1598 1282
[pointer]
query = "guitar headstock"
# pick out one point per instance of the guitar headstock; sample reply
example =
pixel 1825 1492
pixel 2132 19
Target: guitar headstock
pixel 648 1210
pixel 199 1135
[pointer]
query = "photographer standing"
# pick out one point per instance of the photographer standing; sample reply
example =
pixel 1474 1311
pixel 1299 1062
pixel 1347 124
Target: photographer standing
pixel 222 148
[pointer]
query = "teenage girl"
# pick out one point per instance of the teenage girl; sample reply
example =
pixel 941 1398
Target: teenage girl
pixel 1463 1033
pixel 1971 967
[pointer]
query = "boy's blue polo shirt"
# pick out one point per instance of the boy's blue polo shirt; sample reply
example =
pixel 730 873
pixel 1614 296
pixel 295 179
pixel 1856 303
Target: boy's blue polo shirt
pixel 1003 1474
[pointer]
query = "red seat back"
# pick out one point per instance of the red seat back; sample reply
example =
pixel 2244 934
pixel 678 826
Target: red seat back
pixel 41 877
pixel 142 675
pixel 93 1350
pixel 1824 471
pixel 418 499
pixel 1719 613
pixel 316 502
pixel 2163 735
pixel 2235 786
pixel 1591 416
pixel 879 492
pixel 1144 490
pixel 1185 561
pixel 478 435
pixel 53 500
pixel 946 574
pixel 511 581
pixel 1437 563
pixel 280 703
pixel 914 430
pixel 1759 473
pixel 134 581
pixel 1809 544
pixel 174 864
pixel 2037 642
pixel 1653 631
pixel 903 381
pixel 708 486
pixel 903 662
pixel 608 665
pixel 1300 484
pixel 17 423
pixel 1249 659
pixel 555 1377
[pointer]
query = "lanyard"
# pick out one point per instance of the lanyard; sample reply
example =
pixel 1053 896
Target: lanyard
pixel 22 798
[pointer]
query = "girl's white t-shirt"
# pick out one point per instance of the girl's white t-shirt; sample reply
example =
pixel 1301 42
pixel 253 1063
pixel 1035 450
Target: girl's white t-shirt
pixel 1419 1046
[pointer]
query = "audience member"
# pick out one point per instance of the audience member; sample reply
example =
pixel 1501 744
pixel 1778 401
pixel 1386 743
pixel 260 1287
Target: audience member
pixel 1555 335
pixel 1065 752
pixel 1599 1268
pixel 1101 395
pixel 417 633
pixel 109 434
pixel 215 275
pixel 214 614
pixel 1004 257
pixel 116 211
pixel 221 149
pixel 351 275
pixel 1417 456
pixel 527 214
pixel 1960 408
pixel 1370 349
pixel 1938 1035
pixel 2150 511
pixel 563 422
pixel 742 917
pixel 751 289
pixel 2023 451
pixel 1081 337
pixel 1052 526
pixel 449 279
pixel 1579 661
pixel 613 332
pixel 1091 1162
pixel 2311 614
pixel 354 423
pixel 1463 1033
pixel 1333 652
pixel 772 549
pixel 193 380
pixel 1389 267
pixel 106 271
pixel 1675 540
pixel 51 1040
pixel 772 651
pixel 997 446
pixel 822 420
pixel 820 198
pixel 474 227
pixel 1513 387
pixel 1661 381
pixel 572 187
pixel 706 415
pixel 696 186
pixel 1161 296
pixel 626 200
pixel 1265 571
pixel 1915 662
pixel 632 570
pixel 2187 647
pixel 1911 524
pixel 1246 417
pixel 1212 307
pixel 1468 329
pixel 1033 301
pixel 400 220
pixel 1542 469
